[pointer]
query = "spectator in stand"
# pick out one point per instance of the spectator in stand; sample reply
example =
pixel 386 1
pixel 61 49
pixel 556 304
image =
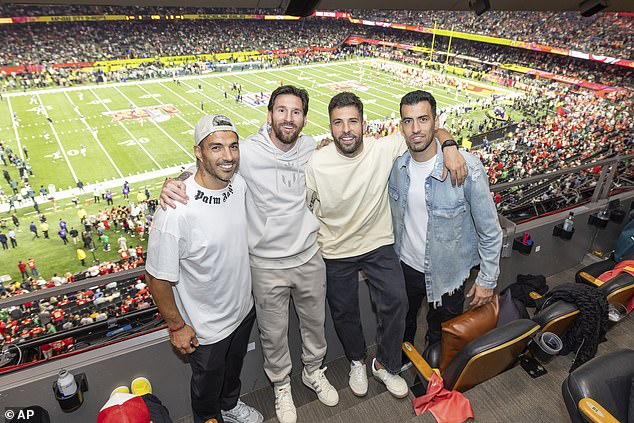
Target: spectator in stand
pixel 86 319
pixel 57 280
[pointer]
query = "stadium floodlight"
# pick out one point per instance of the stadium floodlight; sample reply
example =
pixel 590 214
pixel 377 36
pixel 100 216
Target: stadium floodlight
pixel 301 8
pixel 590 7
pixel 479 6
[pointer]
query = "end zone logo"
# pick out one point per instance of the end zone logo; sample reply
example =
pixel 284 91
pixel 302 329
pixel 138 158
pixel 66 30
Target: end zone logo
pixel 347 86
pixel 156 113
pixel 256 99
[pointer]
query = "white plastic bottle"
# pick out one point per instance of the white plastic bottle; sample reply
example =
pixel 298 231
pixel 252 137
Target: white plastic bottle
pixel 569 222
pixel 66 383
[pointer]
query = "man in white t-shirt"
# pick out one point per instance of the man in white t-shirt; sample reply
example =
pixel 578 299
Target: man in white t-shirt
pixel 198 274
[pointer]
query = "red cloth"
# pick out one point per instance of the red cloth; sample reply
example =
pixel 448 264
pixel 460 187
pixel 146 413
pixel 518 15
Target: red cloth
pixel 446 406
pixel 124 408
pixel 617 270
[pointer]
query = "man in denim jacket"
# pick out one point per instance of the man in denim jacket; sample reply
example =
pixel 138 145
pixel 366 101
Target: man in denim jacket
pixel 440 232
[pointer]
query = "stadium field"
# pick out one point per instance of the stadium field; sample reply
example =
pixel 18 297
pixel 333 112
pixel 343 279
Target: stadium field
pixel 115 130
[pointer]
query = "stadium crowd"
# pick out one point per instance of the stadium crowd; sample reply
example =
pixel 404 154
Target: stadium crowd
pixel 58 314
pixel 72 42
pixel 489 56
pixel 604 33
pixel 34 46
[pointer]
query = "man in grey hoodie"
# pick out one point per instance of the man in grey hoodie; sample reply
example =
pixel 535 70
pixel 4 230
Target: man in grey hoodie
pixel 284 255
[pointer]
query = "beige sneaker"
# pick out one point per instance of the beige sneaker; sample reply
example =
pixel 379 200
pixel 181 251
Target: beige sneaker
pixel 242 413
pixel 395 384
pixel 318 382
pixel 284 406
pixel 358 379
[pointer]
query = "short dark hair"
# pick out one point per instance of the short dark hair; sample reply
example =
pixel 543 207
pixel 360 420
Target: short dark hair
pixel 416 97
pixel 292 90
pixel 345 99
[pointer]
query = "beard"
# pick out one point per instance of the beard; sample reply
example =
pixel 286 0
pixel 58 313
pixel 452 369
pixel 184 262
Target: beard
pixel 217 173
pixel 348 148
pixel 421 145
pixel 284 137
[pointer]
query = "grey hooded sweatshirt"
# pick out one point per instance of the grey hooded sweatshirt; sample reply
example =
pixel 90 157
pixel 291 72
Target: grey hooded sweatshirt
pixel 282 231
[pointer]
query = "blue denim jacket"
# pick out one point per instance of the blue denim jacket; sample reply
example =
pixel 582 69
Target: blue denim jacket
pixel 463 228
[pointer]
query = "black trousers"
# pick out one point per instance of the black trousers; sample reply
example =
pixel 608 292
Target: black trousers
pixel 215 383
pixel 158 412
pixel 452 306
pixel 385 280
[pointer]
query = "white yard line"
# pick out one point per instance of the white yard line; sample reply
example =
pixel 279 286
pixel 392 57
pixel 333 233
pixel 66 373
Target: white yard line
pixel 94 135
pixel 14 122
pixel 59 142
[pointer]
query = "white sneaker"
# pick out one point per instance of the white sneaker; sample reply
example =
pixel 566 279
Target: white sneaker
pixel 242 413
pixel 284 406
pixel 395 384
pixel 358 378
pixel 317 381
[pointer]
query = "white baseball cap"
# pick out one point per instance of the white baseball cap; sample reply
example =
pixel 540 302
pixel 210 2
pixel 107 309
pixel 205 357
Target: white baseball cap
pixel 209 124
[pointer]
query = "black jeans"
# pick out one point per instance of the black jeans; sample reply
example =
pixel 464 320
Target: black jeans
pixel 216 368
pixel 452 306
pixel 158 412
pixel 387 289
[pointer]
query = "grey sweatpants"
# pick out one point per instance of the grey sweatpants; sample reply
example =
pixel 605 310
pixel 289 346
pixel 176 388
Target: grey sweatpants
pixel 272 289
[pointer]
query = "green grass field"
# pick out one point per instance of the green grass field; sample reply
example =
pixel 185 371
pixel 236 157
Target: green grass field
pixel 139 126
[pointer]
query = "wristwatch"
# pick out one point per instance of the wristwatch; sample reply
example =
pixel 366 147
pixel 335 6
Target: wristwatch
pixel 448 143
